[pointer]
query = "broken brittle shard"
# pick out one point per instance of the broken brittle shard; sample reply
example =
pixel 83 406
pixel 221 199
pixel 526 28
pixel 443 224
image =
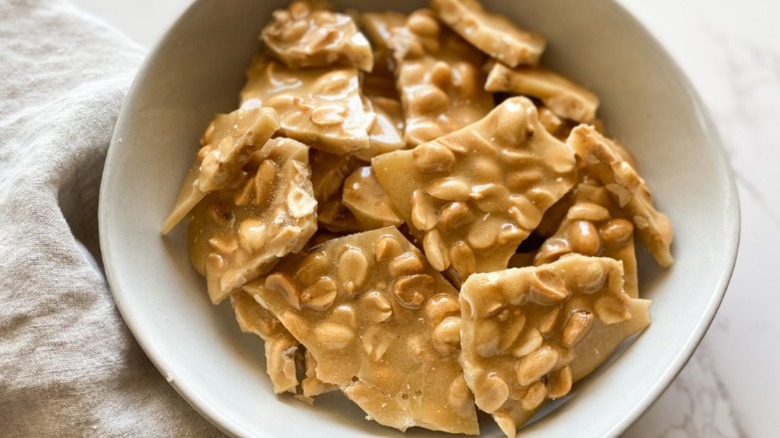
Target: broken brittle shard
pixel 473 195
pixel 321 107
pixel 528 334
pixel 226 146
pixel 239 233
pixel 439 78
pixel 386 135
pixel 366 199
pixel 493 34
pixel 563 97
pixel 381 324
pixel 593 226
pixel 307 34
pixel 280 346
pixel 603 159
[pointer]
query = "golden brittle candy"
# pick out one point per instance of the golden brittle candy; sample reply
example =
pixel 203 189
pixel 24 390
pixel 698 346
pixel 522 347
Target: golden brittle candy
pixel 493 34
pixel 439 78
pixel 387 133
pixel 228 143
pixel 632 194
pixel 522 328
pixel 328 174
pixel 379 27
pixel 311 385
pixel 593 227
pixel 237 235
pixel 280 346
pixel 381 324
pixel 366 199
pixel 563 97
pixel 475 194
pixel 308 35
pixel 321 107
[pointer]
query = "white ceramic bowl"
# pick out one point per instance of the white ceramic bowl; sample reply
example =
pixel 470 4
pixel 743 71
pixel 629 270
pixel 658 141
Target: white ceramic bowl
pixel 198 69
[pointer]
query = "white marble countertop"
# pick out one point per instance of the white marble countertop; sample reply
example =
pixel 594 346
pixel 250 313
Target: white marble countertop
pixel 731 52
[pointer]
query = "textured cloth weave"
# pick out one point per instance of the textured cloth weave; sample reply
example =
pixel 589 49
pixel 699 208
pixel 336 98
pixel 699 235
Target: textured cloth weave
pixel 68 364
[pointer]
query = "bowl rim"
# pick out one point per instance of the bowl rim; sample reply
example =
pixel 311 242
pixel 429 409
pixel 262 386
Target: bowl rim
pixel 208 411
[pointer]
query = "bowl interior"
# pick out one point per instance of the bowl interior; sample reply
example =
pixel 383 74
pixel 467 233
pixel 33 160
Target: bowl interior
pixel 197 71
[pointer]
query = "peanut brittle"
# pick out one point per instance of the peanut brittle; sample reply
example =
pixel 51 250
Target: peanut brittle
pixel 321 107
pixel 632 194
pixel 237 235
pixel 475 194
pixel 366 199
pixel 387 133
pixel 280 346
pixel 308 35
pixel 593 227
pixel 381 324
pixel 439 78
pixel 328 174
pixel 491 33
pixel 311 385
pixel 522 328
pixel 379 27
pixel 563 97
pixel 226 146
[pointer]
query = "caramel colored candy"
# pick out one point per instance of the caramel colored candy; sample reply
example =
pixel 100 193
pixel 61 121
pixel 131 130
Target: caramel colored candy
pixel 311 385
pixel 528 334
pixel 237 234
pixel 307 35
pixel 593 226
pixel 320 107
pixel 227 145
pixel 439 78
pixel 491 33
pixel 387 133
pixel 473 195
pixel 379 27
pixel 280 346
pixel 366 199
pixel 381 324
pixel 563 97
pixel 603 160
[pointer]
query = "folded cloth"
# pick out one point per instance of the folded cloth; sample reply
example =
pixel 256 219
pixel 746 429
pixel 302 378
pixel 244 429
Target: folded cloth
pixel 68 364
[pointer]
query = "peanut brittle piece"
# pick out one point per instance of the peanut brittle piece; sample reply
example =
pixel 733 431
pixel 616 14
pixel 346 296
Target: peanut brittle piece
pixel 311 385
pixel 321 107
pixel 493 34
pixel 280 346
pixel 473 195
pixel 632 194
pixel 328 174
pixel 593 227
pixel 387 133
pixel 563 97
pixel 366 199
pixel 308 35
pixel 439 78
pixel 381 324
pixel 522 330
pixel 335 217
pixel 226 147
pixel 238 234
pixel 379 27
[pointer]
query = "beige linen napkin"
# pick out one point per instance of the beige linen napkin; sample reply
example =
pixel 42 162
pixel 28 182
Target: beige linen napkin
pixel 69 367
